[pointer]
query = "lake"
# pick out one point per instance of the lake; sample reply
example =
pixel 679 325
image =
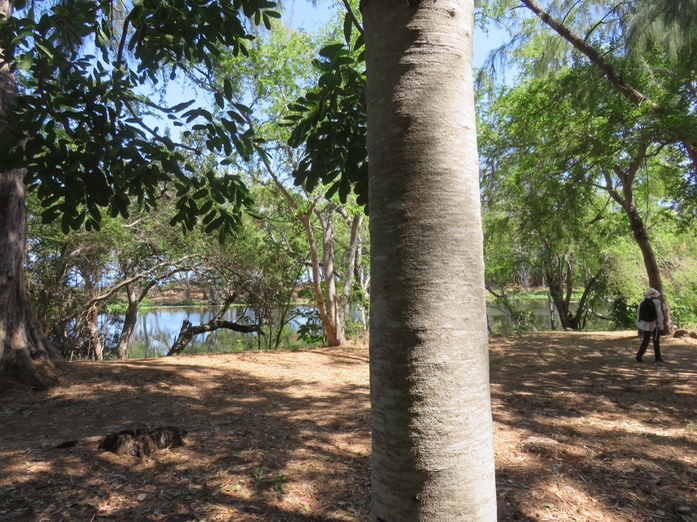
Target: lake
pixel 158 328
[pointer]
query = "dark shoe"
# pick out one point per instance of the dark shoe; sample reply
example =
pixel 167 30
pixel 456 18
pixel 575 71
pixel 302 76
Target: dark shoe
pixel 661 360
pixel 638 359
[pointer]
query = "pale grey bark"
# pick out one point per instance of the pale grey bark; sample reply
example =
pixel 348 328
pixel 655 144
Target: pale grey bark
pixel 433 454
pixel 354 254
pixel 326 219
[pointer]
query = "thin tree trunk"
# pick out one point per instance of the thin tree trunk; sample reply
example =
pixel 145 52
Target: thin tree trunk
pixel 349 278
pixel 25 353
pixel 93 328
pixel 326 219
pixel 433 454
pixel 316 282
pixel 552 314
pixel 129 323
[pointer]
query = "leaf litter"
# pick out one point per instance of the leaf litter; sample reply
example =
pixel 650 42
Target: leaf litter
pixel 582 433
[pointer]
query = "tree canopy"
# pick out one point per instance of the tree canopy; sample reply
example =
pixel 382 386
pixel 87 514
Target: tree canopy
pixel 83 67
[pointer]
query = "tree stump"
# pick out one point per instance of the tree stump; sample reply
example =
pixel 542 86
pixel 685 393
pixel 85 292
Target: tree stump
pixel 143 441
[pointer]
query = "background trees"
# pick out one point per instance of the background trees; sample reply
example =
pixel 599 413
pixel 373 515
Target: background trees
pixel 591 107
pixel 76 132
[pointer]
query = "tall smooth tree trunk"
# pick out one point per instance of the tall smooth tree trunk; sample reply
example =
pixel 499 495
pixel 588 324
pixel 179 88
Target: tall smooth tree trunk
pixel 326 219
pixel 433 452
pixel 25 353
pixel 350 276
pixel 332 339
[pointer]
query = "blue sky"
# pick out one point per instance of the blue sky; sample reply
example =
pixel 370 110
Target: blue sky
pixel 302 14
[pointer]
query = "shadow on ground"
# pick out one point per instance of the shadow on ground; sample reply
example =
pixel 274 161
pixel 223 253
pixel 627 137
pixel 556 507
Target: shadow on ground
pixel 583 433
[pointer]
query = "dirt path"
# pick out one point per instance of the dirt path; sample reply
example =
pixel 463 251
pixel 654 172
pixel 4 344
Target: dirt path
pixel 583 433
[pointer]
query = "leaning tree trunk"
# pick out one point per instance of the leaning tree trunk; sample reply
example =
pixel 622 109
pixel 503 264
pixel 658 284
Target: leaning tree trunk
pixel 653 271
pixel 433 453
pixel 25 352
pixel 628 202
pixel 188 330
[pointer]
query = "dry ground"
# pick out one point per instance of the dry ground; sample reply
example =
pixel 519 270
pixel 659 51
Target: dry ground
pixel 583 433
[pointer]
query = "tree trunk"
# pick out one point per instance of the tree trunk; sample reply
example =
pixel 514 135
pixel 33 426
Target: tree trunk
pixel 552 314
pixel 433 453
pixel 353 254
pixel 25 353
pixel 93 328
pixel 129 323
pixel 326 219
pixel 626 199
pixel 316 281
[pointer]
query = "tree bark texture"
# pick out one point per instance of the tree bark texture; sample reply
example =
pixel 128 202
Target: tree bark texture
pixel 25 353
pixel 92 318
pixel 326 219
pixel 317 281
pixel 433 453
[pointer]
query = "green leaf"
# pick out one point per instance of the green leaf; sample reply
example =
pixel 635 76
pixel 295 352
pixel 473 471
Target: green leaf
pixel 25 61
pixel 219 100
pixel 331 50
pixel 181 106
pixel 348 26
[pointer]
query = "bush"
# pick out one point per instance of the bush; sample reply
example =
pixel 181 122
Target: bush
pixel 623 315
pixel 683 312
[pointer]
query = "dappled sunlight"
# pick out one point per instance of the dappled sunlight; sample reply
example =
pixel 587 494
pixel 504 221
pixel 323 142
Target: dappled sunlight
pixel 578 410
pixel 581 434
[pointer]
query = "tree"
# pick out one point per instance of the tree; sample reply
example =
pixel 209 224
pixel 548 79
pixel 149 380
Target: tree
pixel 25 352
pixel 432 427
pixel 642 49
pixel 599 141
pixel 76 133
pixel 276 70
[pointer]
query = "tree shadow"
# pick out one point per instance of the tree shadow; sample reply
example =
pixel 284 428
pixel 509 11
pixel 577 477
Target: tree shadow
pixel 289 446
pixel 588 433
pixel 582 432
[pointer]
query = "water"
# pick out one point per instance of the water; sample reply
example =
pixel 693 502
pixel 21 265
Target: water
pixel 157 329
pixel 502 324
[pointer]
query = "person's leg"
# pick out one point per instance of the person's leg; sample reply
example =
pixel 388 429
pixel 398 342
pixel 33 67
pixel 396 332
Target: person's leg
pixel 657 346
pixel 644 346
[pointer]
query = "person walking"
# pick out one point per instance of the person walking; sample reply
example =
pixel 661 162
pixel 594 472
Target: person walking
pixel 650 321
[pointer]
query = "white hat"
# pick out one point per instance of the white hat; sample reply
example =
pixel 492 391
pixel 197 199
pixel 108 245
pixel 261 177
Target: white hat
pixel 652 293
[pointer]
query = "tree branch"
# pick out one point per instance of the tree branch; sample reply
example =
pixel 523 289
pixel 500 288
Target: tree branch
pixel 615 78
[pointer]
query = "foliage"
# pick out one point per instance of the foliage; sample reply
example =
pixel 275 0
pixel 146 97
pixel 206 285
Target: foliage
pixel 623 314
pixel 330 121
pixel 639 53
pixel 312 330
pixel 82 66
